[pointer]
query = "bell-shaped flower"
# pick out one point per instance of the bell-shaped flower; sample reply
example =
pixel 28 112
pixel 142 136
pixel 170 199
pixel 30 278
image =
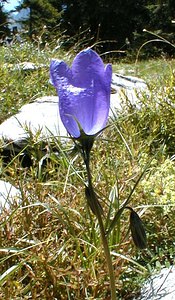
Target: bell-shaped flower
pixel 84 92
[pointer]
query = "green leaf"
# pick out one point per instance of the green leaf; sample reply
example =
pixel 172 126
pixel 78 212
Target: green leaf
pixel 6 275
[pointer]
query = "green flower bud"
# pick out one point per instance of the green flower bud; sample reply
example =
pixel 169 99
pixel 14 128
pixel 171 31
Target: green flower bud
pixel 92 200
pixel 137 230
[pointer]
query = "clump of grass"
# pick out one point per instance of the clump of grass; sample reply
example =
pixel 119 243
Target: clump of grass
pixel 50 242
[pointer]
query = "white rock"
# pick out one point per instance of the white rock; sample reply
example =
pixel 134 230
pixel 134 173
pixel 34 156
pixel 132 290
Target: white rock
pixel 40 117
pixel 27 66
pixel 160 286
pixel 127 82
pixel 126 87
pixel 8 194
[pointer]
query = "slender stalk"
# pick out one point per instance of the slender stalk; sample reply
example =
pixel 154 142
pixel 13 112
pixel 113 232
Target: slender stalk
pixel 97 211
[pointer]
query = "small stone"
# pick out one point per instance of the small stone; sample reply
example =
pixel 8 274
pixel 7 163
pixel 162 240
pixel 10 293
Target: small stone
pixel 27 66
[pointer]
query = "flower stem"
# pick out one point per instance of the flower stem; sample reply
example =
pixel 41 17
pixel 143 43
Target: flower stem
pixel 97 212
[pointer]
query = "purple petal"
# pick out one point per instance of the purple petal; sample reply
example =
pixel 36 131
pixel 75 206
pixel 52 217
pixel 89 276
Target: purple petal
pixel 84 92
pixel 108 76
pixel 59 70
pixel 86 65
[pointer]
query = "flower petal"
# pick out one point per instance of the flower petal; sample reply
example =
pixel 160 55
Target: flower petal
pixel 89 106
pixel 86 65
pixel 84 92
pixel 108 76
pixel 59 71
pixel 69 106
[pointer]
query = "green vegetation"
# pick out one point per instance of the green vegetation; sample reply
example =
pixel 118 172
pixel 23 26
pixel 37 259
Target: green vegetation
pixel 50 243
pixel 3 21
pixel 109 25
pixel 106 24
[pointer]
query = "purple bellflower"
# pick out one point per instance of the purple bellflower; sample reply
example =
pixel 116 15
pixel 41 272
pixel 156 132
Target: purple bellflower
pixel 84 93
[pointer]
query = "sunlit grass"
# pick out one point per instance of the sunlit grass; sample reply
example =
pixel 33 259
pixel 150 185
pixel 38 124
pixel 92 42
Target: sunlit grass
pixel 153 70
pixel 50 244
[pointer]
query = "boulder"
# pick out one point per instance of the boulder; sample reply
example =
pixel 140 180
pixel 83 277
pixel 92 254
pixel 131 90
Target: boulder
pixel 41 118
pixel 39 121
pixel 127 82
pixel 8 194
pixel 126 87
pixel 160 286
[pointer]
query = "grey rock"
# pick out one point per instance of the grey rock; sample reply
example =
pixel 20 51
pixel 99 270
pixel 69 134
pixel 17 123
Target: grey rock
pixel 126 87
pixel 127 82
pixel 160 286
pixel 41 118
pixel 27 66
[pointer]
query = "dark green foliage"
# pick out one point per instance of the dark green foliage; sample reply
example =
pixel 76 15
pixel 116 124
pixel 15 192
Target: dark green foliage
pixel 107 25
pixel 115 25
pixel 42 13
pixel 3 21
pixel 107 20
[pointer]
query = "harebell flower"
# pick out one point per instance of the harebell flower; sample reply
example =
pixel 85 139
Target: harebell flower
pixel 84 101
